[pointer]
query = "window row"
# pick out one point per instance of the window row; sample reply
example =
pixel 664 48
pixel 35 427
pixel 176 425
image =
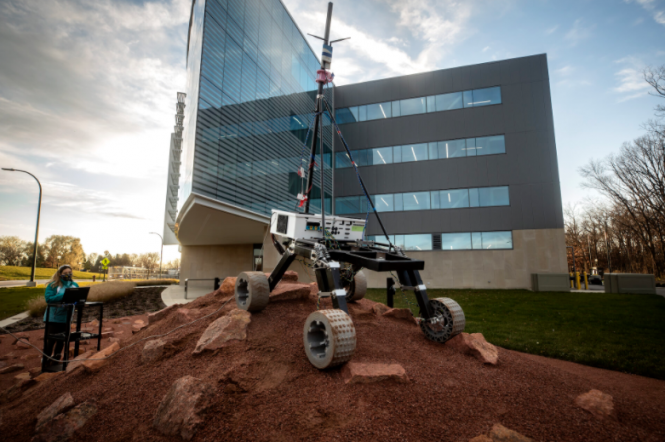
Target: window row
pixel 432 200
pixel 421 105
pixel 469 147
pixel 450 241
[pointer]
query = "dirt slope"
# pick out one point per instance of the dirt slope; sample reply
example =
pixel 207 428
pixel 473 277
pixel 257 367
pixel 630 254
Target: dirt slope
pixel 267 390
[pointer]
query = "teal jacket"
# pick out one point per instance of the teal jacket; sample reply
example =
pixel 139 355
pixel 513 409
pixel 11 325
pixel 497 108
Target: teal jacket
pixel 54 294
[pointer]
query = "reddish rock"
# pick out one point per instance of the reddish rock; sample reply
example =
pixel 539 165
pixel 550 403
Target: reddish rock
pixel 93 323
pixel 7 357
pixel 152 350
pixel 185 315
pixel 228 288
pixel 138 326
pixel 481 438
pixel 361 373
pixel 16 390
pixel 61 405
pixel 110 329
pixel 290 292
pixel 114 340
pixel 400 313
pixel 22 345
pixel 183 409
pixel 379 308
pixel 596 402
pixel 44 377
pixel 313 288
pixel 92 366
pixel 158 316
pixel 499 433
pixel 22 335
pixel 23 376
pixel 34 372
pixel 29 356
pixel 63 426
pixel 225 331
pixel 475 345
pixel 108 335
pixel 12 368
pixel 78 361
pixel 289 276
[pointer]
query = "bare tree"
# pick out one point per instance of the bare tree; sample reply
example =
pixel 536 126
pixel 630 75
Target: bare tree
pixel 656 79
pixel 11 250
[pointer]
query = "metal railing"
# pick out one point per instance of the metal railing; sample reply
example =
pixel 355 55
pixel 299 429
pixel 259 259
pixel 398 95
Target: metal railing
pixel 216 286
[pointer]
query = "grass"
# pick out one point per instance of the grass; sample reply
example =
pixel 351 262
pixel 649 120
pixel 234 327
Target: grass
pixel 612 331
pixel 13 300
pixel 9 273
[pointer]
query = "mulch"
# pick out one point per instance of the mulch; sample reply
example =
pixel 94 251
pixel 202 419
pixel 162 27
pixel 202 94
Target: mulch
pixel 268 391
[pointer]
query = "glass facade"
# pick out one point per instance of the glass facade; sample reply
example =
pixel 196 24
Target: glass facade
pixel 450 241
pixel 413 106
pixel 431 200
pixel 438 150
pixel 251 91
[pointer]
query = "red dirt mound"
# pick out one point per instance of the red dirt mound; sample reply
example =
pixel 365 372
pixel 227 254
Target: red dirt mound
pixel 267 390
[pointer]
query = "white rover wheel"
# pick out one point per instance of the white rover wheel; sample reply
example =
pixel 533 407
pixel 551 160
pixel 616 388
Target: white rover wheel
pixel 329 338
pixel 450 320
pixel 358 288
pixel 252 291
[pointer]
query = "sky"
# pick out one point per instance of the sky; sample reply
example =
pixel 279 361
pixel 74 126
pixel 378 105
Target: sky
pixel 88 91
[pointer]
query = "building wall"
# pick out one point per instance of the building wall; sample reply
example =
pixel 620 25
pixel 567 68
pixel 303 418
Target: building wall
pixel 198 262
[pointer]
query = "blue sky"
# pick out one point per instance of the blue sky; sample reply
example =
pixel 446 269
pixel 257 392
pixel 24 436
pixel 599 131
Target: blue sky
pixel 87 90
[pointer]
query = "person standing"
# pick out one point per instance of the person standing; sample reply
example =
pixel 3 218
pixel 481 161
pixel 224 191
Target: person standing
pixel 57 316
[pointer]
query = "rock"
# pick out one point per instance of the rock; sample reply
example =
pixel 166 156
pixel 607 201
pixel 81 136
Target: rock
pixel 137 327
pixel 12 368
pixel 152 350
pixel 313 288
pixel 362 373
pixel 224 331
pixel 93 323
pixel 44 377
pixel 114 340
pixel 23 376
pixel 379 308
pixel 110 329
pixel 108 334
pixel 22 335
pixel 481 438
pixel 400 313
pixel 183 409
pixel 22 345
pixel 16 390
pixel 290 292
pixel 475 345
pixel 61 405
pixel 289 276
pixel 158 316
pixel 596 402
pixel 499 433
pixel 228 288
pixel 63 426
pixel 29 356
pixel 94 366
pixel 34 372
pixel 78 361
pixel 185 315
pixel 7 357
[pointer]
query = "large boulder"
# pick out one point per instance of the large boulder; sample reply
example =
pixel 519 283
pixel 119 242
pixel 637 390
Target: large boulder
pixel 225 331
pixel 599 404
pixel 228 287
pixel 475 345
pixel 183 409
pixel 138 325
pixel 12 368
pixel 152 350
pixel 63 426
pixel 290 292
pixel 61 405
pixel 98 360
pixel 158 316
pixel 185 315
pixel 78 361
pixel 364 373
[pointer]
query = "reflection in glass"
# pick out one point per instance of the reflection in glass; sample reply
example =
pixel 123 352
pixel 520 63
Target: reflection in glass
pixel 431 104
pixel 416 201
pixel 345 115
pixel 396 109
pixel 455 241
pixel 383 155
pixel 449 101
pixel 491 145
pixel 494 196
pixel 414 152
pixel 452 149
pixel 453 199
pixel 473 198
pixel 497 240
pixel 485 97
pixel 418 242
pixel 378 111
pixel 476 240
pixel 413 106
pixel 383 203
pixel 470 147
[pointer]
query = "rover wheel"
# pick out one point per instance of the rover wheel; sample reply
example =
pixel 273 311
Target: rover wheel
pixel 356 290
pixel 329 338
pixel 252 291
pixel 448 321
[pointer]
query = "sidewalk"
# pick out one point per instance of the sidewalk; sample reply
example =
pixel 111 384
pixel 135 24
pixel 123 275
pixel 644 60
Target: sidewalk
pixel 21 283
pixel 175 294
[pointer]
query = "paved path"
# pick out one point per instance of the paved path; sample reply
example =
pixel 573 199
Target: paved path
pixel 13 319
pixel 20 283
pixel 175 294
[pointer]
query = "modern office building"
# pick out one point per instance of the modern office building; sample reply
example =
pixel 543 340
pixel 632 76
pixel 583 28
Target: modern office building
pixel 461 162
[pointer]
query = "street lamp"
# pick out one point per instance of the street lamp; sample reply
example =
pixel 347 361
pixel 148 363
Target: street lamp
pixel 162 253
pixel 32 282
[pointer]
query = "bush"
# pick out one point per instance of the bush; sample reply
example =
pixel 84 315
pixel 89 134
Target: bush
pixel 146 282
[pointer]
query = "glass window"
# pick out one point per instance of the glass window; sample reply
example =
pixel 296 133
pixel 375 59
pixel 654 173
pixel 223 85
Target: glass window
pixel 399 202
pixel 433 151
pixel 413 106
pixel 494 196
pixel 348 204
pixel 497 240
pixel 431 104
pixel 342 160
pixel 453 199
pixel 418 242
pixel 434 200
pixel 476 240
pixel 470 147
pixel 345 115
pixel 473 198
pixel 383 203
pixel 362 113
pixel 446 102
pixel 382 155
pixel 398 240
pixel 354 111
pixel 455 241
pixel 468 98
pixel 397 154
pixel 360 157
pixel 452 149
pixel 416 201
pixel 378 111
pixel 490 145
pixel 414 152
pixel 486 97
pixel 396 109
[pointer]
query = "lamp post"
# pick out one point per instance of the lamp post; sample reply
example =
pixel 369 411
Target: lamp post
pixel 32 282
pixel 161 254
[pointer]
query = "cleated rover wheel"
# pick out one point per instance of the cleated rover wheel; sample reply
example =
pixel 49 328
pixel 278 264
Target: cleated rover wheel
pixel 329 338
pixel 252 291
pixel 448 322
pixel 356 290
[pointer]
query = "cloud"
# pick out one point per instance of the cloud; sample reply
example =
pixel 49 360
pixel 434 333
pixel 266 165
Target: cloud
pixel 631 80
pixel 551 30
pixel 565 70
pixel 578 32
pixel 658 13
pixel 486 48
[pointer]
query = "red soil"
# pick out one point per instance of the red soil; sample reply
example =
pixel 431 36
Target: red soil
pixel 267 389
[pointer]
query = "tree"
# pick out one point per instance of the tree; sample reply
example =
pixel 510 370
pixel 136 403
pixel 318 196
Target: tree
pixel 149 261
pixel 173 265
pixel 656 79
pixel 27 252
pixel 60 249
pixel 12 250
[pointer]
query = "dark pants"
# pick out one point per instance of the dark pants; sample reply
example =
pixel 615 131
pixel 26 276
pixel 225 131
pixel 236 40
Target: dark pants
pixel 55 328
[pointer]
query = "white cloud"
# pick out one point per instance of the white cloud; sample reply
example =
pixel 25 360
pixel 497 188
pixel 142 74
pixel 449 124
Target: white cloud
pixel 551 30
pixel 653 7
pixel 565 70
pixel 578 32
pixel 486 48
pixel 630 78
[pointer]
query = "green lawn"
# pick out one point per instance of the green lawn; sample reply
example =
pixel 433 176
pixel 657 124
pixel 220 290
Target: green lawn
pixel 8 273
pixel 13 300
pixel 617 332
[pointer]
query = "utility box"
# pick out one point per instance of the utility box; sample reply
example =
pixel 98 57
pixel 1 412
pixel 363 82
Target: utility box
pixel 630 283
pixel 550 282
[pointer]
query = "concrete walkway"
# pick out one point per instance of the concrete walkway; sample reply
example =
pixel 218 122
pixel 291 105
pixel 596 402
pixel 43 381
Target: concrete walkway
pixel 14 283
pixel 11 320
pixel 175 294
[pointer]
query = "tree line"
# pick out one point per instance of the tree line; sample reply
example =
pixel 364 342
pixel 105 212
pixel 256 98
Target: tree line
pixel 625 231
pixel 60 249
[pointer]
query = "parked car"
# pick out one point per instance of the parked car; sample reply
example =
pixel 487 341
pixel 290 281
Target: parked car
pixel 595 280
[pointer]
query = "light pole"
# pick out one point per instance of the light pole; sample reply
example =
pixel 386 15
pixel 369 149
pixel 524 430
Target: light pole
pixel 161 254
pixel 32 282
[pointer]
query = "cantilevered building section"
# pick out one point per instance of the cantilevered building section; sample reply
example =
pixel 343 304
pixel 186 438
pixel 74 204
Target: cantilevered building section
pixel 172 183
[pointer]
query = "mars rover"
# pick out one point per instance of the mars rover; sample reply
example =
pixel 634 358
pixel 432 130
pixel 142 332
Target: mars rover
pixel 333 246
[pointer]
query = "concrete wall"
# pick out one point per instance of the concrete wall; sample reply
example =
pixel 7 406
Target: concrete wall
pixel 214 261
